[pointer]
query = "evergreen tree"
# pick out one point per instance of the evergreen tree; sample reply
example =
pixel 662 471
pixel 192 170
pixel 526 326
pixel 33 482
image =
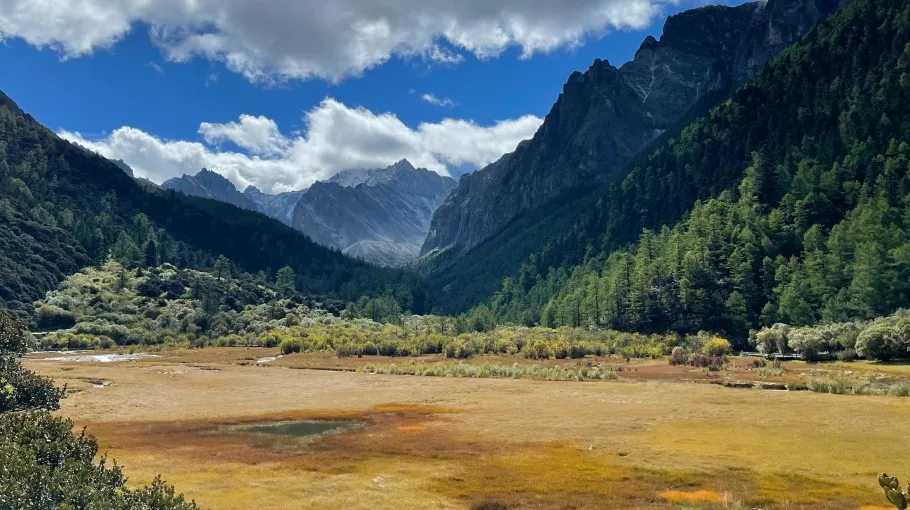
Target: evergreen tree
pixel 286 281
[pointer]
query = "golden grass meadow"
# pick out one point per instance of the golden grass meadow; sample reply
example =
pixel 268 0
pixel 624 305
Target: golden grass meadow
pixel 653 438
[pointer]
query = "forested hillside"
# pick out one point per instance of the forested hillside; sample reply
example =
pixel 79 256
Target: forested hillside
pixel 63 207
pixel 790 201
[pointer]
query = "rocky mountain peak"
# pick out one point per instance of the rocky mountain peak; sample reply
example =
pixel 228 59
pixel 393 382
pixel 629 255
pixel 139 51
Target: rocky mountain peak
pixel 606 115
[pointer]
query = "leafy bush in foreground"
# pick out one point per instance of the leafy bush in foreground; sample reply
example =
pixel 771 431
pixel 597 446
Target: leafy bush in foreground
pixel 44 464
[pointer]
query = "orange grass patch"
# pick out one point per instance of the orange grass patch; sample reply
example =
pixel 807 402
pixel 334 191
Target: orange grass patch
pixel 692 497
pixel 873 507
pixel 411 428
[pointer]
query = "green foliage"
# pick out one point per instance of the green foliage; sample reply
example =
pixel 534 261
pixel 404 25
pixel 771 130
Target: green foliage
pixel 110 305
pixel 21 389
pixel 63 208
pixel 417 336
pixel 46 465
pixel 881 339
pixel 790 200
pixel 286 281
pixel 893 492
pixel 485 370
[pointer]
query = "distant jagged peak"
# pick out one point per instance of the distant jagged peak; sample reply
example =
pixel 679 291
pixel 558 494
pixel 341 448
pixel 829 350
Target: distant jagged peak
pixel 206 173
pixel 123 166
pixel 402 164
pixel 401 170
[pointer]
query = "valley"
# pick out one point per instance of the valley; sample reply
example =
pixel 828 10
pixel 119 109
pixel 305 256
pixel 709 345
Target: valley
pixel 686 288
pixel 438 442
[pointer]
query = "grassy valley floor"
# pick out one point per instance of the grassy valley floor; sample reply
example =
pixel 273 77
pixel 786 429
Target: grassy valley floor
pixel 644 440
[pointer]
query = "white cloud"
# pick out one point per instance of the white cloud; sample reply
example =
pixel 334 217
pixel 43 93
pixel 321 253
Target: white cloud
pixel 433 100
pixel 270 40
pixel 259 135
pixel 336 138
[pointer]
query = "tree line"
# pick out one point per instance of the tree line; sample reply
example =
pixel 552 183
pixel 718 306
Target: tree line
pixel 788 202
pixel 63 207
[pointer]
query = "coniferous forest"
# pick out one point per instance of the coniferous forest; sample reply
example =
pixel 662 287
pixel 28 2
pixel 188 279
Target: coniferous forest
pixel 777 220
pixel 788 203
pixel 65 208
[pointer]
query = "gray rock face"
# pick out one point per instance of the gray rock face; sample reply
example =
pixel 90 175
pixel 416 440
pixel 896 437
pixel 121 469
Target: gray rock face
pixel 123 166
pixel 208 184
pixel 381 215
pixel 280 206
pixel 606 115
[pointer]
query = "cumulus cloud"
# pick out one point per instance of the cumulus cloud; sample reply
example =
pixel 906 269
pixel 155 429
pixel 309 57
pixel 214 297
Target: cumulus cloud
pixel 336 138
pixel 433 100
pixel 271 40
pixel 258 135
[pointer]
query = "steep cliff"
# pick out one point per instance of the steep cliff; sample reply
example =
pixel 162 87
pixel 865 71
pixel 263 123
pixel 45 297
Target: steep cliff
pixel 606 115
pixel 381 215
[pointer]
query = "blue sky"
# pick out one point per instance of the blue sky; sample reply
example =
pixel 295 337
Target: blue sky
pixel 88 87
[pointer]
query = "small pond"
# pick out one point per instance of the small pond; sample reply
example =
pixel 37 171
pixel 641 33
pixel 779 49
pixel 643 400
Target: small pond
pixel 303 428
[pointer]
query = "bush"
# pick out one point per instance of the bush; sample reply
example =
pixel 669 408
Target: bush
pixel 773 339
pixel 712 363
pixel 45 464
pixel 833 386
pixel 290 346
pixel 679 356
pixel 717 346
pixel 880 341
pixel 847 355
pixel 50 317
pixel 807 342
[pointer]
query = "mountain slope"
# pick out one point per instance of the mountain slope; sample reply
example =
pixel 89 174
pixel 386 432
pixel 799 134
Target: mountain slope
pixel 794 197
pixel 606 115
pixel 208 184
pixel 380 215
pixel 280 206
pixel 64 207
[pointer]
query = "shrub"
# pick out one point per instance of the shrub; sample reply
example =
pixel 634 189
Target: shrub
pixel 770 372
pixel 717 346
pixel 880 341
pixel 270 340
pixel 290 346
pixel 369 349
pixel 680 356
pixel 773 339
pixel 537 349
pixel 348 350
pixel 834 386
pixel 808 342
pixel 848 354
pixel 50 317
pixel 712 363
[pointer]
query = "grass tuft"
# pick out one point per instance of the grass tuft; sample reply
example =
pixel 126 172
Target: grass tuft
pixel 488 370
